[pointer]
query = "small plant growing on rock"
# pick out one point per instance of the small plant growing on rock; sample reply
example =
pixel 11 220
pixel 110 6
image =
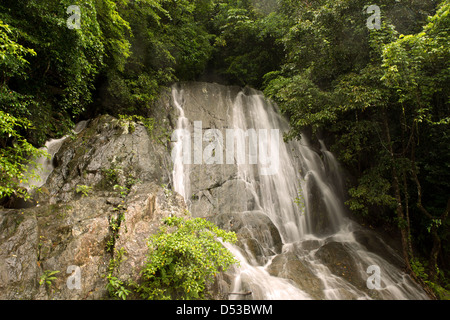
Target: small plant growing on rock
pixel 112 174
pixel 127 123
pixel 123 191
pixel 48 277
pixel 114 226
pixel 117 289
pixel 83 189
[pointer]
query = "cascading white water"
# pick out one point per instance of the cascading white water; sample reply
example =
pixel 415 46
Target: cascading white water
pixel 44 165
pixel 261 283
pixel 179 182
pixel 276 193
pixel 313 178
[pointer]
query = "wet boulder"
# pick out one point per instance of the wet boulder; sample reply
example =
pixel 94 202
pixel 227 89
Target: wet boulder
pixel 338 258
pixel 289 266
pixel 257 234
pixel 106 153
pixel 373 243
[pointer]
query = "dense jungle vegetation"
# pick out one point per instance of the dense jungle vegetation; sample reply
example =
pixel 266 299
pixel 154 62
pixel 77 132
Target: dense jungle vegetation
pixel 378 96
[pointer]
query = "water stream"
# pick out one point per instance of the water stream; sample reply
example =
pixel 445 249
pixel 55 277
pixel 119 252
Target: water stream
pixel 318 239
pixel 43 165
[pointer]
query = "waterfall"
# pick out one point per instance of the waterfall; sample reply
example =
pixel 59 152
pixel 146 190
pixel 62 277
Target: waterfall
pixel 180 185
pixel 43 165
pixel 296 239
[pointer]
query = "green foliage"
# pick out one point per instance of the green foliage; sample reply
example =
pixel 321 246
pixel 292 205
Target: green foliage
pixel 15 152
pixel 117 289
pixel 416 66
pixel 123 191
pixel 381 98
pixel 112 175
pixel 83 189
pixel 61 64
pixel 116 220
pixel 115 223
pixel 302 101
pixel 167 43
pixel 47 277
pixel 246 42
pixel 372 190
pixel 442 291
pixel 419 269
pixel 158 130
pixel 12 54
pixel 183 256
pixel 128 121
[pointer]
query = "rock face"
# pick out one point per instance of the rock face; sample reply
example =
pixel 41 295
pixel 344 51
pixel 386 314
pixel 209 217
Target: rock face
pixel 107 152
pixel 211 186
pixel 336 256
pixel 257 236
pixel 19 271
pixel 112 169
pixel 318 221
pixel 312 250
pixel 373 243
pixel 288 266
pixel 112 185
pixel 78 235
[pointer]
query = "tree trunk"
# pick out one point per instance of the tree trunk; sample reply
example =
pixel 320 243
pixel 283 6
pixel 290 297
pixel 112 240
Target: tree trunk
pixel 403 223
pixel 404 176
pixel 435 250
pixel 397 193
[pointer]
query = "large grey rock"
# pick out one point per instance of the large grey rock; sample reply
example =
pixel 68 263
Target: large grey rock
pixel 289 266
pixel 68 231
pixel 212 186
pixel 318 217
pixel 106 153
pixel 204 102
pixel 76 233
pixel 146 207
pixel 336 256
pixel 257 236
pixel 19 268
pixel 373 243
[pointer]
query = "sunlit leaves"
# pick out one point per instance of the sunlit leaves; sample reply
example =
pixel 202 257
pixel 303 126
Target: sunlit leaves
pixel 12 54
pixel 418 67
pixel 15 155
pixel 359 85
pixel 183 256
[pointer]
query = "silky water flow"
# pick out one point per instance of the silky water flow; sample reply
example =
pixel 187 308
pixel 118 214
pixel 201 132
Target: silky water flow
pixel 304 201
